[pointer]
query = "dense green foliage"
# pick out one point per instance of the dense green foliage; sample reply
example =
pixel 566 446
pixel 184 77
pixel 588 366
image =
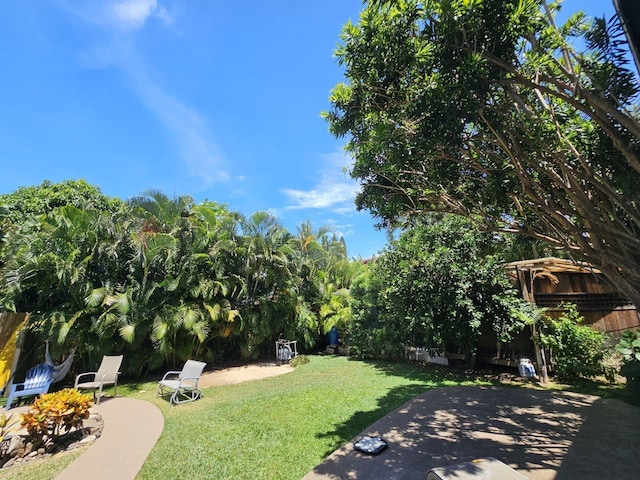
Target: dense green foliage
pixel 164 279
pixel 434 287
pixel 577 351
pixel 629 345
pixel 629 348
pixel 42 199
pixel 491 110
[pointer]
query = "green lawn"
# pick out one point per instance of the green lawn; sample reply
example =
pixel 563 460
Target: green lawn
pixel 42 469
pixel 276 428
pixel 281 427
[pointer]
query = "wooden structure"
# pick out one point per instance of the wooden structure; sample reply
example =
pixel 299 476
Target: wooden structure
pixel 549 282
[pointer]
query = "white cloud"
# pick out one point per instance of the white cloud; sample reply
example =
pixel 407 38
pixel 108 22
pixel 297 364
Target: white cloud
pixel 120 22
pixel 202 156
pixel 122 15
pixel 325 195
pixel 134 13
pixel 335 190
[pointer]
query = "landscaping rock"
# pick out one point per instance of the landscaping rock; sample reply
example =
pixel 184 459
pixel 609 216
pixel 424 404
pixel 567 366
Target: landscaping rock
pixel 17 449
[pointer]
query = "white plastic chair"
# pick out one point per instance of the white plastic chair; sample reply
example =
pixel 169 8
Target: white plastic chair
pixel 185 386
pixel 107 374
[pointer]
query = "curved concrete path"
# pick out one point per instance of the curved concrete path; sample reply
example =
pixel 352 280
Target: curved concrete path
pixel 131 429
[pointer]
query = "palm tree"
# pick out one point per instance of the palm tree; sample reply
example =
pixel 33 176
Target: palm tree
pixel 267 301
pixel 54 262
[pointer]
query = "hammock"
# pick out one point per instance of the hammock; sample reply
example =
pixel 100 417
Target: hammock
pixel 59 371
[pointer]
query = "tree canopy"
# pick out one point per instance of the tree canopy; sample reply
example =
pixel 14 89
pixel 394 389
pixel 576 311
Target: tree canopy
pixel 435 286
pixel 165 279
pixel 490 110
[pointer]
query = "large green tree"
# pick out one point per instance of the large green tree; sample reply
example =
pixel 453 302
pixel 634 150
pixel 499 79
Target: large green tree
pixel 435 287
pixel 53 263
pixel 43 198
pixel 163 279
pixel 490 110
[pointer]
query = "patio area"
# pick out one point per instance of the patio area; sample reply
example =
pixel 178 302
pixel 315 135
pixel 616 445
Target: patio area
pixel 541 434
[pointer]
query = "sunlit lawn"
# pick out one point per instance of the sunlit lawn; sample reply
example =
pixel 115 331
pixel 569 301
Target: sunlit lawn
pixel 40 469
pixel 280 427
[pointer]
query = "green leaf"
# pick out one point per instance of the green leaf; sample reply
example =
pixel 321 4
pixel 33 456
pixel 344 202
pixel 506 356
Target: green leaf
pixel 160 328
pixel 214 311
pixel 128 333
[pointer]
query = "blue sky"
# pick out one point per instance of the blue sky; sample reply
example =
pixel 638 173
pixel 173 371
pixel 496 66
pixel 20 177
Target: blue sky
pixel 216 99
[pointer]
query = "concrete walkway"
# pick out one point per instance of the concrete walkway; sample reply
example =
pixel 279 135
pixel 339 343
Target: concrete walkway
pixel 543 435
pixel 131 429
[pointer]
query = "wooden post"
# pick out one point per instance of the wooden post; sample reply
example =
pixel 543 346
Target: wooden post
pixel 537 349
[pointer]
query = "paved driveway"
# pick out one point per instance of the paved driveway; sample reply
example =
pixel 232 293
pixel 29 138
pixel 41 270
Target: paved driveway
pixel 543 435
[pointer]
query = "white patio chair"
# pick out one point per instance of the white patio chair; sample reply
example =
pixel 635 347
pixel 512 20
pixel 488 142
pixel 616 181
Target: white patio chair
pixel 184 388
pixel 107 374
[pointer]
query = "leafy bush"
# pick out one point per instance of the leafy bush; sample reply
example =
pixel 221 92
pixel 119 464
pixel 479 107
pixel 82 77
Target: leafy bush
pixel 436 286
pixel 578 351
pixel 55 414
pixel 299 360
pixel 629 348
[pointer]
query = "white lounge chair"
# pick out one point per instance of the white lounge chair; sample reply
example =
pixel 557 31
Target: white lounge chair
pixel 107 374
pixel 184 388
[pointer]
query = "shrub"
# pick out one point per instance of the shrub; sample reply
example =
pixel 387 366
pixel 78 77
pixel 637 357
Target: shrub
pixel 55 414
pixel 299 360
pixel 629 348
pixel 577 350
pixel 629 345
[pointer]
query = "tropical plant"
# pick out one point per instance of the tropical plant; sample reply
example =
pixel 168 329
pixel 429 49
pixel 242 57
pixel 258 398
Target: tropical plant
pixel 53 263
pixel 42 199
pixel 177 291
pixel 490 110
pixel 629 348
pixel 434 287
pixel 577 351
pixel 629 345
pixel 8 424
pixel 162 279
pixel 270 303
pixel 54 414
pixel 336 309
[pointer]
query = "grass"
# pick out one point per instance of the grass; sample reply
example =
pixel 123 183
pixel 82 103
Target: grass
pixel 42 469
pixel 281 427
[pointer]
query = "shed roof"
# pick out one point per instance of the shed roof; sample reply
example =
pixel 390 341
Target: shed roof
pixel 553 264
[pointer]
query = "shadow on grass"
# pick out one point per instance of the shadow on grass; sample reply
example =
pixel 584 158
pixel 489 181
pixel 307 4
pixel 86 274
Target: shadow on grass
pixel 362 419
pixel 508 377
pixel 422 377
pixel 542 434
pixel 601 389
